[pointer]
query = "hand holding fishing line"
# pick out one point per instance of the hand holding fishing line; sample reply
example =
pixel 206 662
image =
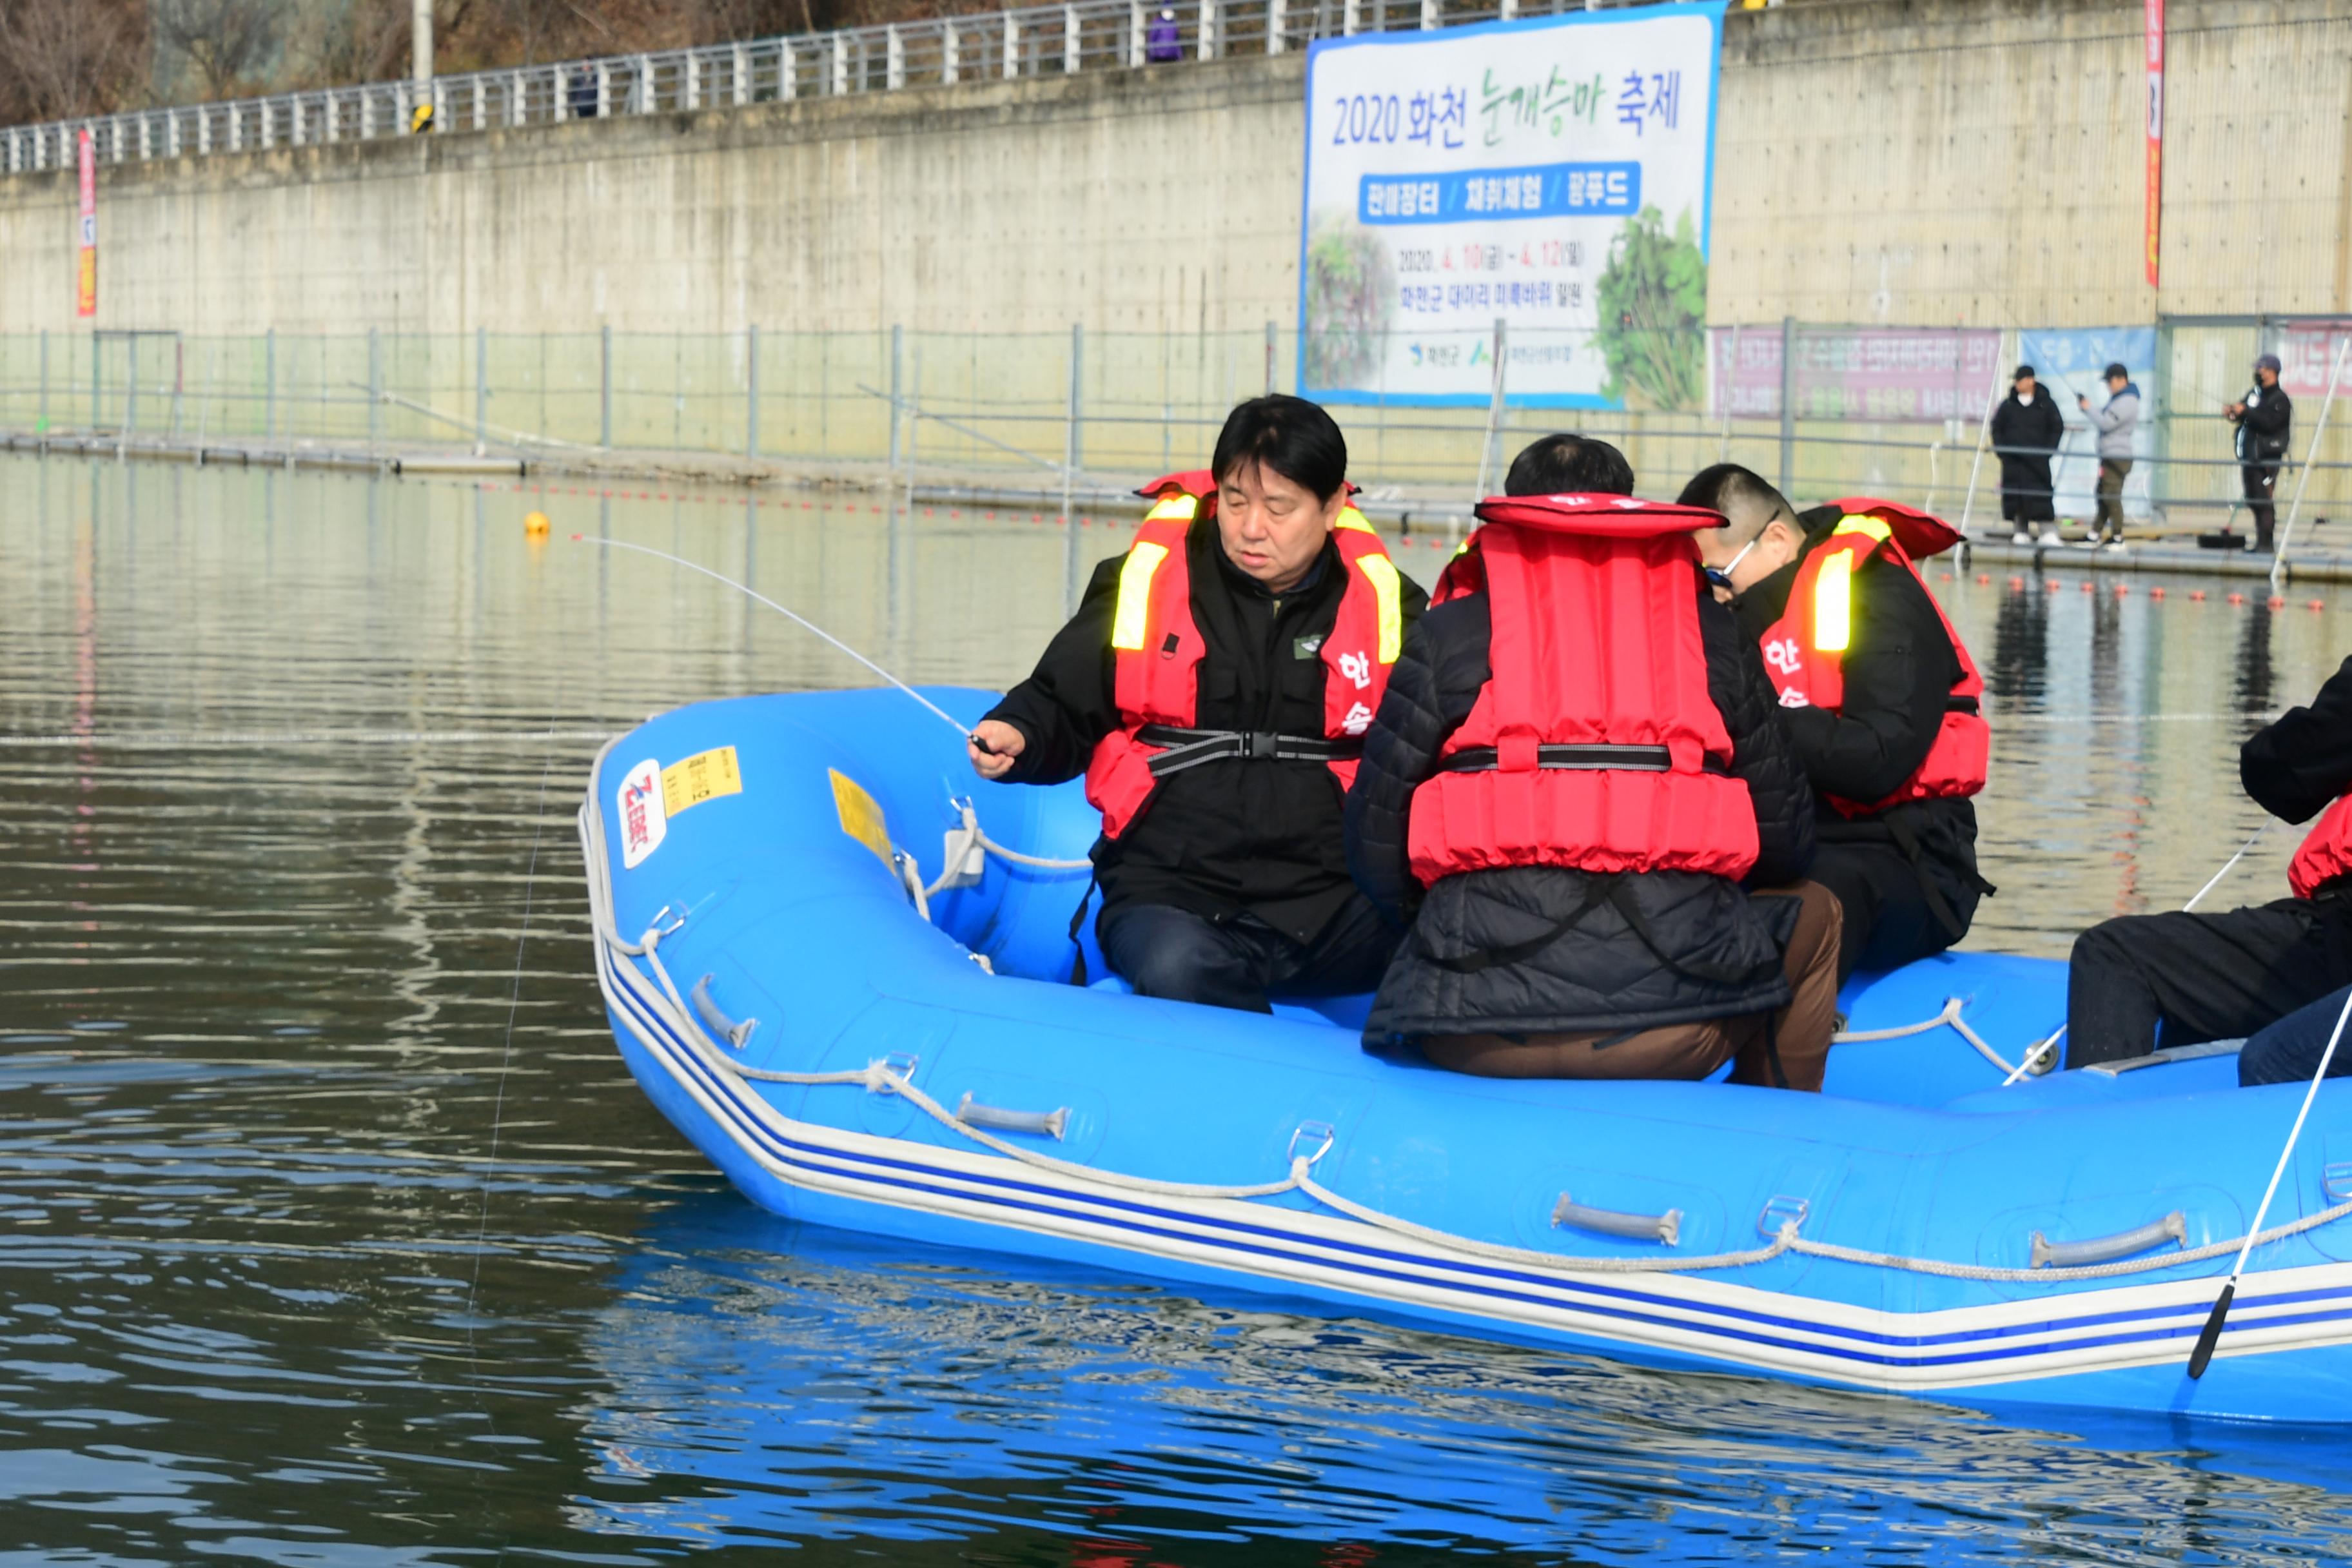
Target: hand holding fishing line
pixel 972 737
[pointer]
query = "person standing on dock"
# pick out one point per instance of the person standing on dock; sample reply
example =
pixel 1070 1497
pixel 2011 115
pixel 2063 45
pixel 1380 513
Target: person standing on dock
pixel 1879 697
pixel 2181 978
pixel 2118 425
pixel 2265 418
pixel 1577 797
pixel 1214 688
pixel 2027 430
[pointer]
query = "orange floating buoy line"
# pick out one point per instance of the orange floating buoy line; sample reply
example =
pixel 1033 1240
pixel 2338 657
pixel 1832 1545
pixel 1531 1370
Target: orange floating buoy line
pixel 535 524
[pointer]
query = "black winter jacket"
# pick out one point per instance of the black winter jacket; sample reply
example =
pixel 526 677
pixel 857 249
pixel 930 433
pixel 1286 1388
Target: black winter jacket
pixel 2263 427
pixel 1650 949
pixel 1229 837
pixel 2300 761
pixel 2032 429
pixel 1899 667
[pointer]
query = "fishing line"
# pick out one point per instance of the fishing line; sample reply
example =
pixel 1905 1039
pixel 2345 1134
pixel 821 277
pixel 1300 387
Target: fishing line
pixel 796 618
pixel 2215 879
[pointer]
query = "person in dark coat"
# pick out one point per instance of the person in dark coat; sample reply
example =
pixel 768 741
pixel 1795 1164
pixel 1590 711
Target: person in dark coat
pixel 2027 430
pixel 2181 978
pixel 1231 885
pixel 1905 877
pixel 1643 974
pixel 2266 420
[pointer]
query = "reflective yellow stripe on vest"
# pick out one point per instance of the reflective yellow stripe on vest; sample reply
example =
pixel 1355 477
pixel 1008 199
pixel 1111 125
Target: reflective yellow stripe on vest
pixel 1857 522
pixel 1382 572
pixel 1833 604
pixel 1350 518
pixel 1177 508
pixel 1131 624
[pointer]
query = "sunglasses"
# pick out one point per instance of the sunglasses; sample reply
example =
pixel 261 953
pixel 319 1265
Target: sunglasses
pixel 1721 575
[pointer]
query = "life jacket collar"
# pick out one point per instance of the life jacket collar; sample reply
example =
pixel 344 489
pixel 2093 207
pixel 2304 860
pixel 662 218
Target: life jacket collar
pixel 1615 516
pixel 1921 534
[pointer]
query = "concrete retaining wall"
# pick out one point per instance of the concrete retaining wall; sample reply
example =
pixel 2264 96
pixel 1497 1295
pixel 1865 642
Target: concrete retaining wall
pixel 1909 161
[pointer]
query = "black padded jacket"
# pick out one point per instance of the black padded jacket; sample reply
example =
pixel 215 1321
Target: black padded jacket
pixel 1644 949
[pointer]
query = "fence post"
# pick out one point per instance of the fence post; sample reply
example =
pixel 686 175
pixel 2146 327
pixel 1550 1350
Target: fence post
pixel 269 384
pixel 1070 450
pixel 897 353
pixel 1788 404
pixel 1012 45
pixel 1487 449
pixel 93 380
pixel 604 380
pixel 1274 25
pixel 751 402
pixel 1135 35
pixel 1208 41
pixel 1069 40
pixel 482 388
pixel 376 388
pixel 130 387
pixel 1430 18
pixel 44 415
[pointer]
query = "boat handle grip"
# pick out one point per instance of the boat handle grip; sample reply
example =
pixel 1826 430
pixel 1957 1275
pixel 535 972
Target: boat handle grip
pixel 1665 1228
pixel 2049 1254
pixel 1049 1122
pixel 734 1034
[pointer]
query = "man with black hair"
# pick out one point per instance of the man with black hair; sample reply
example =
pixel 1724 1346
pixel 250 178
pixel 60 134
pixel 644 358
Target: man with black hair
pixel 2265 419
pixel 1213 687
pixel 1879 700
pixel 1591 821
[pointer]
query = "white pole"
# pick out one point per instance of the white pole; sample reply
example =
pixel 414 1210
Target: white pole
pixel 420 42
pixel 2310 455
pixel 1984 440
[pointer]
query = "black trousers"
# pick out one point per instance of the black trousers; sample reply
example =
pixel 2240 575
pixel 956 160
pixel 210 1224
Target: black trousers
pixel 1243 963
pixel 2180 979
pixel 2261 481
pixel 1889 920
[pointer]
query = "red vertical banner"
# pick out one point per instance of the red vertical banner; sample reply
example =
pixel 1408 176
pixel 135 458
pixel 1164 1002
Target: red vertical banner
pixel 85 151
pixel 2155 133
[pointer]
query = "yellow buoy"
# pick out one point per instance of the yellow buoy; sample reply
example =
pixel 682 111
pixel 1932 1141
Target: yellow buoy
pixel 536 525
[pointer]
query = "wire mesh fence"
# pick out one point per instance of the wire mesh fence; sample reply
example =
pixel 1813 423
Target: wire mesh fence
pixel 1023 409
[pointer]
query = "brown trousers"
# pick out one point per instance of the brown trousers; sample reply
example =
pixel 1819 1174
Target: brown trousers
pixel 1798 1034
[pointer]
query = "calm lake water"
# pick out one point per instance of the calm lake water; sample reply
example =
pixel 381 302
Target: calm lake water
pixel 333 1232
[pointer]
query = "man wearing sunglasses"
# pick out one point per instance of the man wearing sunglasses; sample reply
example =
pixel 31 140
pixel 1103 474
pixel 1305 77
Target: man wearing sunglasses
pixel 1880 701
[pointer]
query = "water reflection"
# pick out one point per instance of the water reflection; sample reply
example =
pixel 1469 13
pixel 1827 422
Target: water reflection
pixel 326 1236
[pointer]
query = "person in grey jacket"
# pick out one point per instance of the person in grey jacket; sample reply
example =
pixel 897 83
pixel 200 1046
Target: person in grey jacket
pixel 2116 424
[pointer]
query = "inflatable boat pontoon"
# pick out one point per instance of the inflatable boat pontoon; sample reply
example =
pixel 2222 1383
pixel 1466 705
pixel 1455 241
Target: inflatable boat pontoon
pixel 832 961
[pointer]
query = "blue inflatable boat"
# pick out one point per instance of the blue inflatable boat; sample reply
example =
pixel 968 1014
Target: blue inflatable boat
pixel 836 961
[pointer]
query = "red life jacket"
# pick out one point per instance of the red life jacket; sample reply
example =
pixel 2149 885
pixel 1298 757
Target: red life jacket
pixel 1157 648
pixel 1805 653
pixel 1594 744
pixel 2327 852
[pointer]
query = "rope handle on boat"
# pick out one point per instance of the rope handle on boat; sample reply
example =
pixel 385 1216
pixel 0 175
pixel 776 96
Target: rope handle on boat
pixel 2032 1064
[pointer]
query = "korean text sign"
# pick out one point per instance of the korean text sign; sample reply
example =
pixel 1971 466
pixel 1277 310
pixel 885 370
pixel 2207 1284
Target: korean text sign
pixel 1554 173
pixel 85 291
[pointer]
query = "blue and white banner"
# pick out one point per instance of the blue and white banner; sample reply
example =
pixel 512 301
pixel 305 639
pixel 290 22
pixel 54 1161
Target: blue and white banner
pixel 1554 173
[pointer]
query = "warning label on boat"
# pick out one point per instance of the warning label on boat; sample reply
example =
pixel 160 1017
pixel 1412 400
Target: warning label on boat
pixel 644 816
pixel 705 775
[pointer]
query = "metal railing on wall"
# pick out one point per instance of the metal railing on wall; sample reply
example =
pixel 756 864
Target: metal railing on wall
pixel 1042 412
pixel 1028 42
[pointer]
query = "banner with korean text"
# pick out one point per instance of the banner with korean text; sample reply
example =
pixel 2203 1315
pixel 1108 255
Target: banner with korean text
pixel 1553 174
pixel 85 271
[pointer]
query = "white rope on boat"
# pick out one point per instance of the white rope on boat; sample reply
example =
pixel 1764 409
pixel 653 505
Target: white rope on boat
pixel 1950 1015
pixel 961 842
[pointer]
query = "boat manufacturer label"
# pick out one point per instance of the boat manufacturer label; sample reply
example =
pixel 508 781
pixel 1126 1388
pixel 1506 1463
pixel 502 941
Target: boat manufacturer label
pixel 644 818
pixel 861 815
pixel 705 775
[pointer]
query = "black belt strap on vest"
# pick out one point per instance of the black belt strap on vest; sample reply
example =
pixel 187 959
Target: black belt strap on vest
pixel 1078 924
pixel 1938 905
pixel 1191 747
pixel 1594 758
